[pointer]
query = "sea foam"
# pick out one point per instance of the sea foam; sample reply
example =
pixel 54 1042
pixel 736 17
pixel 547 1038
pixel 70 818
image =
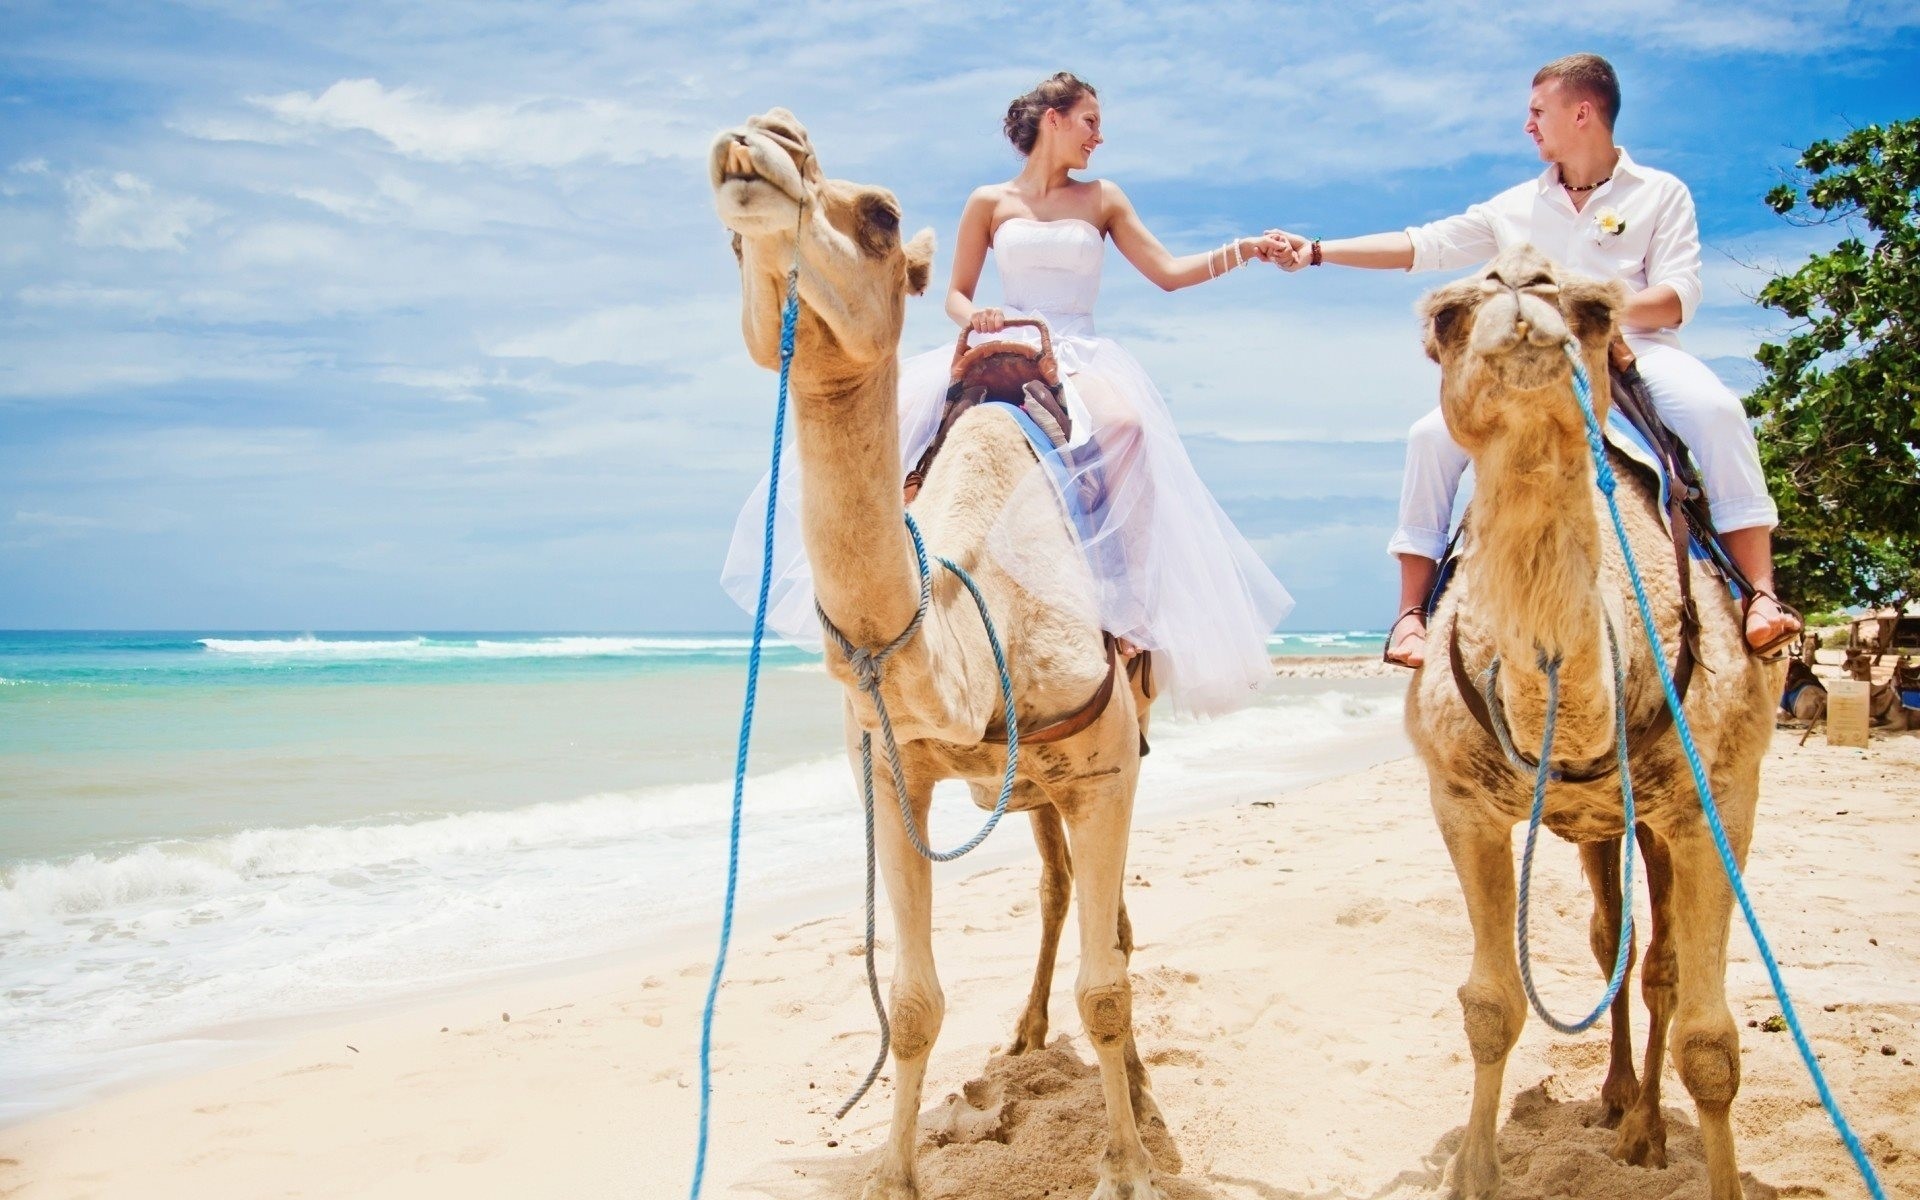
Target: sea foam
pixel 439 649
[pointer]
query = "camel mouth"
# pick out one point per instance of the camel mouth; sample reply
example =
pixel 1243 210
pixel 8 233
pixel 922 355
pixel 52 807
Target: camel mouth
pixel 756 183
pixel 738 166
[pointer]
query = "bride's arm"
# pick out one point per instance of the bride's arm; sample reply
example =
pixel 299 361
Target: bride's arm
pixel 969 254
pixel 1157 263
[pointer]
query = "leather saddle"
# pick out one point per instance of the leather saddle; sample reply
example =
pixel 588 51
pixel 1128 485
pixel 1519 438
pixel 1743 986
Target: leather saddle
pixel 1011 372
pixel 1028 377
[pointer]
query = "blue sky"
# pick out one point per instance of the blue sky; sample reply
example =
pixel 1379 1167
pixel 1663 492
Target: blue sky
pixel 417 316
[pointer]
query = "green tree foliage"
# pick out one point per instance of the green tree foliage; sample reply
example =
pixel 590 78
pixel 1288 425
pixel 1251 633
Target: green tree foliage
pixel 1840 406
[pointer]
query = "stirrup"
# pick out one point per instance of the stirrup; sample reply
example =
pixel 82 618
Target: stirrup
pixel 1386 651
pixel 1771 651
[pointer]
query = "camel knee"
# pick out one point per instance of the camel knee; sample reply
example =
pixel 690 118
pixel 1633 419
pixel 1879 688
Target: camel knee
pixel 1107 1012
pixel 1710 1065
pixel 1056 892
pixel 1493 1023
pixel 914 1017
pixel 1603 938
pixel 1658 974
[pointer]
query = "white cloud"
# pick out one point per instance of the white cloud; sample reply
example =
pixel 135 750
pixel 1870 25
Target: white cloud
pixel 631 335
pixel 543 132
pixel 125 210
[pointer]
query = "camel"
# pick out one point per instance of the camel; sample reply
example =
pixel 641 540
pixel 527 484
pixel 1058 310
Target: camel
pixel 942 687
pixel 1805 698
pixel 1542 574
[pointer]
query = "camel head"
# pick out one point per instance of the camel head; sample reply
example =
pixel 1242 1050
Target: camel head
pixel 855 269
pixel 1500 336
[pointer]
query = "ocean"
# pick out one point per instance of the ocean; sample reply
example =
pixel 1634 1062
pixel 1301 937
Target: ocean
pixel 203 832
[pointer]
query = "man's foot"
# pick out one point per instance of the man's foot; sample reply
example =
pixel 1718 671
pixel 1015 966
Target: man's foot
pixel 1769 624
pixel 1407 640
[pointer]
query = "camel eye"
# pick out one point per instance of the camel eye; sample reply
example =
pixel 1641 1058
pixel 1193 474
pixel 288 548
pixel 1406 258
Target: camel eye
pixel 1446 321
pixel 884 219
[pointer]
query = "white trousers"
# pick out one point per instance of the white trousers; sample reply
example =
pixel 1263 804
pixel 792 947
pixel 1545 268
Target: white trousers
pixel 1688 396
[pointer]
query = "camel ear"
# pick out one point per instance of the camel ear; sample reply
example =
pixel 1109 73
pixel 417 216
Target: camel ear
pixel 919 261
pixel 1593 307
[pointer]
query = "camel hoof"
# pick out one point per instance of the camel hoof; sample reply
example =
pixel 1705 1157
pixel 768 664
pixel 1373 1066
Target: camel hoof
pixel 1473 1175
pixel 1615 1099
pixel 1031 1036
pixel 1137 1185
pixel 890 1189
pixel 1641 1142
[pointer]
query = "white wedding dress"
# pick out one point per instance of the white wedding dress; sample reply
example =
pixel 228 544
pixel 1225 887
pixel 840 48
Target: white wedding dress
pixel 1174 575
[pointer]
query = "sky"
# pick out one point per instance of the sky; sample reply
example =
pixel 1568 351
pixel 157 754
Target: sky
pixel 417 316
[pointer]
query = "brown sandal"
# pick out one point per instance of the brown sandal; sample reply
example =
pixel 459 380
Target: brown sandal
pixel 1386 651
pixel 1770 651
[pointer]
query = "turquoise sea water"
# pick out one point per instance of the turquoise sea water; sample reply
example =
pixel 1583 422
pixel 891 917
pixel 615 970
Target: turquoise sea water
pixel 200 830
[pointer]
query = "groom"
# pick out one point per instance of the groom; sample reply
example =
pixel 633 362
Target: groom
pixel 1599 212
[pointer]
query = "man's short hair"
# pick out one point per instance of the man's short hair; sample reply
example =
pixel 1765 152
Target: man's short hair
pixel 1588 76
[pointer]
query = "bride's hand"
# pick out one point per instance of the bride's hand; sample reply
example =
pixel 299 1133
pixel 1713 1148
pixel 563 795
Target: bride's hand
pixel 987 320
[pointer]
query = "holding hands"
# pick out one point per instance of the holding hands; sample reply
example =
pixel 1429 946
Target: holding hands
pixel 1294 252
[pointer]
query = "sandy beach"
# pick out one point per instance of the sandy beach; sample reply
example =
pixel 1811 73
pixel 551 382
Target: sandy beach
pixel 1294 995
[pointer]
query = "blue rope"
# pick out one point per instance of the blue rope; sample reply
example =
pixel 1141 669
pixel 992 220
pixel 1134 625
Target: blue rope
pixel 869 669
pixel 789 317
pixel 1543 773
pixel 1603 473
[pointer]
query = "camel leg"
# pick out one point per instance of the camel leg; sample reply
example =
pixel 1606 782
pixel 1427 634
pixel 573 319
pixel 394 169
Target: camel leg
pixel 915 1004
pixel 1643 1131
pixel 1491 1001
pixel 1601 862
pixel 1056 888
pixel 1146 1111
pixel 1706 1043
pixel 1097 823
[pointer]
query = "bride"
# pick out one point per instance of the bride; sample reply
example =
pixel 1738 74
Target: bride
pixel 1174 575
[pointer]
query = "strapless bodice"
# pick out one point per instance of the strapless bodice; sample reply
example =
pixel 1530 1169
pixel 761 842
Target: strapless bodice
pixel 1050 269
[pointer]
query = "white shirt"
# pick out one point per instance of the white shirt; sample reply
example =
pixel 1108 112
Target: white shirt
pixel 1658 240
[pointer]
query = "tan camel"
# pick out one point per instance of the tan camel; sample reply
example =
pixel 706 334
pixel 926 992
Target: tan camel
pixel 1542 572
pixel 1804 697
pixel 941 688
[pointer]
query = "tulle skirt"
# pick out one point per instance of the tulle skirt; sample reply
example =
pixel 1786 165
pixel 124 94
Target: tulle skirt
pixel 1173 574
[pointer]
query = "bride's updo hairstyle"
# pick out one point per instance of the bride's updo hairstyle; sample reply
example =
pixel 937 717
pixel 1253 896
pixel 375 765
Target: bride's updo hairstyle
pixel 1057 93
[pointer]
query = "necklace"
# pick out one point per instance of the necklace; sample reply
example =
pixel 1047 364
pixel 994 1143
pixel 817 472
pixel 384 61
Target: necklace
pixel 1585 187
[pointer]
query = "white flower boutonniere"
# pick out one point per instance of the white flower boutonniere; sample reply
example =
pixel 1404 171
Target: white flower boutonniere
pixel 1609 222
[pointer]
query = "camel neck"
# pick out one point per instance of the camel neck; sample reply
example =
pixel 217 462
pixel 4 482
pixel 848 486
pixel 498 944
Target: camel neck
pixel 1536 582
pixel 848 440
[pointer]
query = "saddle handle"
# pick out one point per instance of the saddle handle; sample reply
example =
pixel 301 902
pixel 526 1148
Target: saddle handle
pixel 1046 336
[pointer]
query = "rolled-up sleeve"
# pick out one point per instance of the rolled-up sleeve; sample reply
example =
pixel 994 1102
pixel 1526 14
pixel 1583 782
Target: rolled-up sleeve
pixel 1673 254
pixel 1454 242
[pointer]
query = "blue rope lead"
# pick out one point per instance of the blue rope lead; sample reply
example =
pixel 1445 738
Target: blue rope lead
pixel 1603 477
pixel 869 668
pixel 789 317
pixel 1543 773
